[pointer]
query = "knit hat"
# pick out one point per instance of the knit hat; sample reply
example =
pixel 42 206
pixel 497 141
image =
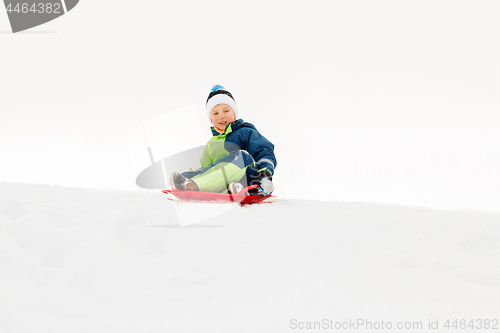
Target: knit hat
pixel 219 95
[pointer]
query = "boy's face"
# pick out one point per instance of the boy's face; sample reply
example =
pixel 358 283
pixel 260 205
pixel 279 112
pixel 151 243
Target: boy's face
pixel 221 115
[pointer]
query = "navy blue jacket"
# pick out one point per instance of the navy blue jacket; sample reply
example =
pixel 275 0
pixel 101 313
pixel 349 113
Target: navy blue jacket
pixel 244 136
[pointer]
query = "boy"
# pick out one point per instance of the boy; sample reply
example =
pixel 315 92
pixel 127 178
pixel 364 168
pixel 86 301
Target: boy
pixel 235 157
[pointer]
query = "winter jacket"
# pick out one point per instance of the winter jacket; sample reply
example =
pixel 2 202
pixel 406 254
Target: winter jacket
pixel 240 135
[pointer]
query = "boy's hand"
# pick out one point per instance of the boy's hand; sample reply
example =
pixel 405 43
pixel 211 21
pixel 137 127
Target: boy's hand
pixel 264 180
pixel 264 173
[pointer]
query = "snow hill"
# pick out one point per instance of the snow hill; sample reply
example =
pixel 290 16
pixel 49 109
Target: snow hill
pixel 85 260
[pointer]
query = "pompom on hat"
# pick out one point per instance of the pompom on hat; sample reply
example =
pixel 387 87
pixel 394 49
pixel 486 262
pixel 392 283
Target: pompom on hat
pixel 219 95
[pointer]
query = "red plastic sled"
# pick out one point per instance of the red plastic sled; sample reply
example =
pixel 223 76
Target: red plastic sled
pixel 194 196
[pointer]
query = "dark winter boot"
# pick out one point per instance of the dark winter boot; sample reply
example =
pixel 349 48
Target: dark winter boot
pixel 182 183
pixel 191 186
pixel 235 188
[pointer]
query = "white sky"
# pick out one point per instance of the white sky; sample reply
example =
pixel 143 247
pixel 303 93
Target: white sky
pixel 379 101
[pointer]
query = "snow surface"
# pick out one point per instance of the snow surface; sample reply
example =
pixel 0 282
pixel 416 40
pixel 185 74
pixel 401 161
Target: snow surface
pixel 86 260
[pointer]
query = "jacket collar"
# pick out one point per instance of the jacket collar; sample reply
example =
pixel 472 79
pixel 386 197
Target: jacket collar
pixel 228 129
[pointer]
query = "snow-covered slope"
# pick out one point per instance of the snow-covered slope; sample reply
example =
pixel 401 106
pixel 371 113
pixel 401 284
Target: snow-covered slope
pixel 83 260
